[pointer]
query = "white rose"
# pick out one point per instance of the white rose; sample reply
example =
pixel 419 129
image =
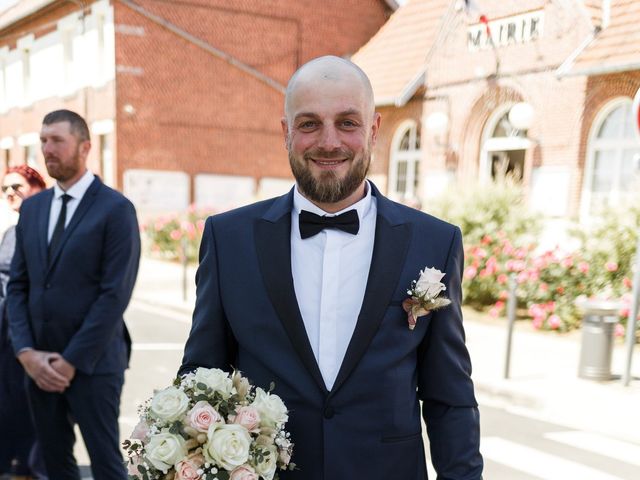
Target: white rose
pixel 164 450
pixel 227 446
pixel 270 407
pixel 169 404
pixel 215 379
pixel 267 467
pixel 429 282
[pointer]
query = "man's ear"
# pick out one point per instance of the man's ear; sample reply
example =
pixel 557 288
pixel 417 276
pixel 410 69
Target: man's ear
pixel 85 147
pixel 375 127
pixel 285 129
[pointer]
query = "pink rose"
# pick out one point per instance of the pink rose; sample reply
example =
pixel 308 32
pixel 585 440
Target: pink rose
pixel 470 272
pixel 244 472
pixel 619 330
pixel 554 322
pixel 140 431
pixel 611 266
pixel 583 267
pixel 202 416
pixel 248 417
pixel 187 469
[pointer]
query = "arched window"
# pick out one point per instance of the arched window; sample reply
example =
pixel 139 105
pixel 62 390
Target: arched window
pixel 404 167
pixel 504 147
pixel 612 160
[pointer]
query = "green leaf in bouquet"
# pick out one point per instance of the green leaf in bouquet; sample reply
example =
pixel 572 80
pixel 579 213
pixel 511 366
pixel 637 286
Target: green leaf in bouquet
pixel 176 428
pixel 223 475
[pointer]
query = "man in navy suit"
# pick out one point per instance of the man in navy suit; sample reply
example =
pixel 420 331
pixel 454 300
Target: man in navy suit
pixel 306 290
pixel 75 264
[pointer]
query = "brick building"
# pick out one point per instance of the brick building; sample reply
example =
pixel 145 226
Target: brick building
pixel 183 98
pixel 547 97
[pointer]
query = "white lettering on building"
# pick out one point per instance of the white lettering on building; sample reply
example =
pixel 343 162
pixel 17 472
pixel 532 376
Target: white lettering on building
pixel 524 28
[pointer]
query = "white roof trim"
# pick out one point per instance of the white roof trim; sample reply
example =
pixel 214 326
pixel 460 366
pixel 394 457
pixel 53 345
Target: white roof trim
pixel 604 69
pixel 565 68
pixel 10 20
pixel 406 94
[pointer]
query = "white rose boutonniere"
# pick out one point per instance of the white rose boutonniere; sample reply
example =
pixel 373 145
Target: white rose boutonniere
pixel 424 295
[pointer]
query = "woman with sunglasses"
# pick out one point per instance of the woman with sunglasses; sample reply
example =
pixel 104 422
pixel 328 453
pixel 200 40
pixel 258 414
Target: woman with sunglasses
pixel 18 456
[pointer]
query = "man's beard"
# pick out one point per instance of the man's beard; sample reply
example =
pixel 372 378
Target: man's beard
pixel 64 171
pixel 329 188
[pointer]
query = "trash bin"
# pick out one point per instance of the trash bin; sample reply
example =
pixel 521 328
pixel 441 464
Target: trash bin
pixel 598 323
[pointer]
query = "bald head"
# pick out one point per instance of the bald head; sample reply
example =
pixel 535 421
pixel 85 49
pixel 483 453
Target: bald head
pixel 327 72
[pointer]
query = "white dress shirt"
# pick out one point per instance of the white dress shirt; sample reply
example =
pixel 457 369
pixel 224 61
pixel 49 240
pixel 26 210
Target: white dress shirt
pixel 330 272
pixel 76 192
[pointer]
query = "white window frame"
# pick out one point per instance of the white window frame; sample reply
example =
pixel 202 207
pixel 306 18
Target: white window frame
pixel 412 157
pixel 593 145
pixel 497 144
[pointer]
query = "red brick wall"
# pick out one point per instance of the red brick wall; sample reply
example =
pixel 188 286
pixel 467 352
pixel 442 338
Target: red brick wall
pixel 391 119
pixel 197 113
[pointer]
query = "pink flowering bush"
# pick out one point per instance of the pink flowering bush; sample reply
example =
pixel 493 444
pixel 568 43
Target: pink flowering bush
pixel 501 240
pixel 172 236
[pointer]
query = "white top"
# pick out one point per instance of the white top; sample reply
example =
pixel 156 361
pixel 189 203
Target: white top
pixel 330 272
pixel 76 192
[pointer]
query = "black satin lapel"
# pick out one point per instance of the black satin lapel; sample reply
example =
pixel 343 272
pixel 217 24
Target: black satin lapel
pixel 43 226
pixel 86 202
pixel 273 246
pixel 389 254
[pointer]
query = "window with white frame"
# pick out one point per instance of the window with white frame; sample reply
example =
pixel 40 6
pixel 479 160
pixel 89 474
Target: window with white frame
pixel 404 167
pixel 612 176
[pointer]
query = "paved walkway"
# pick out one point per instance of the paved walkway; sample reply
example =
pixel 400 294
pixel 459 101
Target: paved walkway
pixel 543 383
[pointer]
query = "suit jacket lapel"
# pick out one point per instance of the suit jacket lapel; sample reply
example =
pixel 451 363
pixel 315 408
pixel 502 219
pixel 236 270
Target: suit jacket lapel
pixel 43 226
pixel 273 247
pixel 86 202
pixel 389 254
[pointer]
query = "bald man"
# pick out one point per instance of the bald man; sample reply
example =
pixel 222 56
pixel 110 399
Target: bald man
pixel 306 290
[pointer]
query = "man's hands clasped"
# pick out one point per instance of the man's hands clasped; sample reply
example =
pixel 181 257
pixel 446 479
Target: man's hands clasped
pixel 50 371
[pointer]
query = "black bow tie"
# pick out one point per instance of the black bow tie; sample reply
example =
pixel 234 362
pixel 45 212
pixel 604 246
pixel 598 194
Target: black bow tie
pixel 311 224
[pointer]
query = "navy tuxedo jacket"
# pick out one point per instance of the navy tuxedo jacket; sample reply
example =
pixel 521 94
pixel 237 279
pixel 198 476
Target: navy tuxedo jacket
pixel 74 302
pixel 368 425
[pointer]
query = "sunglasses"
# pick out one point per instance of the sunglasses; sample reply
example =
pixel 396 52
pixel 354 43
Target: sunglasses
pixel 15 187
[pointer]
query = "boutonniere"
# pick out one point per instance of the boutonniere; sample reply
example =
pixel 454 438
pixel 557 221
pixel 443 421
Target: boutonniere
pixel 424 295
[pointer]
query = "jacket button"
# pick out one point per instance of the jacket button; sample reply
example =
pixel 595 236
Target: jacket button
pixel 48 285
pixel 328 412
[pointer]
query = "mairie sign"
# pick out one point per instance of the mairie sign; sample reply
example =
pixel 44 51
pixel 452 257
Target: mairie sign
pixel 516 29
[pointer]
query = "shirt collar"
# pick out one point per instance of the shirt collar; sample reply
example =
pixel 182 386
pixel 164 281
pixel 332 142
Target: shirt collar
pixel 78 189
pixel 362 206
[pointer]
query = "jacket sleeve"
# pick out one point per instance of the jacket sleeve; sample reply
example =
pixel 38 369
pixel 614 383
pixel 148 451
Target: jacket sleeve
pixel 211 343
pixel 120 260
pixel 18 297
pixel 450 409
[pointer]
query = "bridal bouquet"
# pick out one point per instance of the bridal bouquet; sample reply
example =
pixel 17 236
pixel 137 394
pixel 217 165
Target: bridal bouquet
pixel 210 425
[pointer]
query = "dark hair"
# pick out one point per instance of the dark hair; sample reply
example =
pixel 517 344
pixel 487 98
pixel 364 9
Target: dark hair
pixel 78 126
pixel 31 175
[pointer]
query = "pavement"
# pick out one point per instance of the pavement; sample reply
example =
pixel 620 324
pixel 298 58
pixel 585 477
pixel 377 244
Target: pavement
pixel 543 381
